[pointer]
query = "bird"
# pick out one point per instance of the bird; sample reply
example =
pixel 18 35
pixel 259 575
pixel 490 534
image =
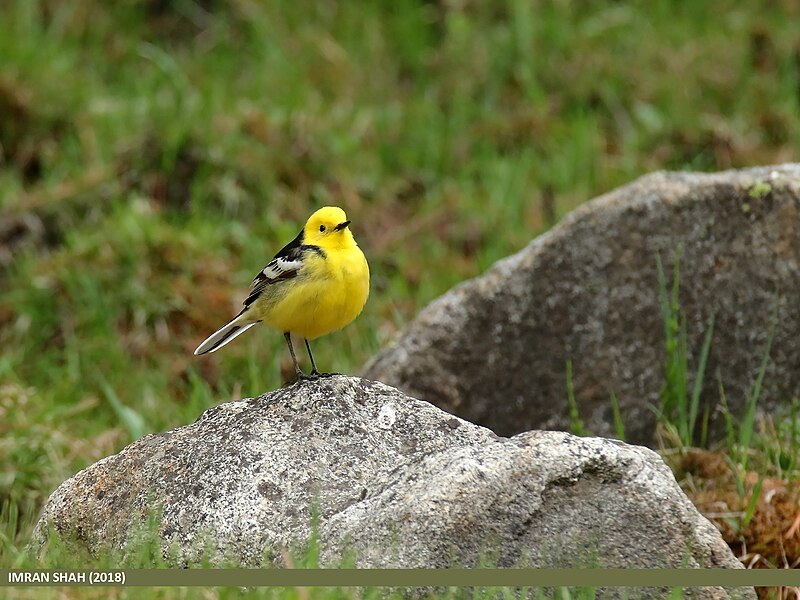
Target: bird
pixel 316 284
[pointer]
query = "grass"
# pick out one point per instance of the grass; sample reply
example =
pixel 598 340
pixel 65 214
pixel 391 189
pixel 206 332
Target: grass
pixel 679 409
pixel 576 423
pixel 754 505
pixel 719 477
pixel 154 155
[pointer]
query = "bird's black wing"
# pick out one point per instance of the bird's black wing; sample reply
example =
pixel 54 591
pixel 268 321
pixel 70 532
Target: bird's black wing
pixel 286 264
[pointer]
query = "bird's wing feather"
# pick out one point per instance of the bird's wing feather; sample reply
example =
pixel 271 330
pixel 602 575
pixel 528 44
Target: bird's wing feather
pixel 286 264
pixel 277 270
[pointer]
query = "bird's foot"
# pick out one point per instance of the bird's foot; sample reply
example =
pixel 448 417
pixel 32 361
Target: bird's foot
pixel 314 375
pixel 303 377
pixel 327 374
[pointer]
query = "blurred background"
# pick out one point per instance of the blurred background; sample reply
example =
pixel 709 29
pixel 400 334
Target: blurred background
pixel 155 154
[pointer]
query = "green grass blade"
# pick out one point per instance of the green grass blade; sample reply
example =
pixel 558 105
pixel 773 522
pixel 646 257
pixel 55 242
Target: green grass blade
pixel 698 379
pixel 668 404
pixel 730 426
pixel 752 504
pixel 576 424
pixel 133 422
pixel 681 382
pixel 704 427
pixel 9 523
pixel 793 449
pixel 663 298
pixel 748 419
pixel 619 424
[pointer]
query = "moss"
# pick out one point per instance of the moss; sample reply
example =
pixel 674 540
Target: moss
pixel 759 190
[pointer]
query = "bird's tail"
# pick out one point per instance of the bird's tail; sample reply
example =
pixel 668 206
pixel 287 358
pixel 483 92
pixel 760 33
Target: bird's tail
pixel 225 334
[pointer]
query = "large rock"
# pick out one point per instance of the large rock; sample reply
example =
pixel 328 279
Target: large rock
pixel 394 480
pixel 494 349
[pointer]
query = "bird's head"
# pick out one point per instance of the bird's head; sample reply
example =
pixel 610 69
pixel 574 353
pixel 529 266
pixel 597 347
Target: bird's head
pixel 328 227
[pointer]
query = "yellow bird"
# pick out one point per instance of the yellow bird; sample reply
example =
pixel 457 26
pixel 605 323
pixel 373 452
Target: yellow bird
pixel 316 284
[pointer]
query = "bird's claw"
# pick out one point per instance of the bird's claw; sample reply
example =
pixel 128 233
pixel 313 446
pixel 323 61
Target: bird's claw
pixel 314 375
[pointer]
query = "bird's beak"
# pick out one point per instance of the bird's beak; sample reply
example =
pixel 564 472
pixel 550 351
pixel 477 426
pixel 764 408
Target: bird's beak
pixel 341 226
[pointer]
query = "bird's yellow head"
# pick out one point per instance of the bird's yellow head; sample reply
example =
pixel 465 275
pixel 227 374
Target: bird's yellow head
pixel 328 227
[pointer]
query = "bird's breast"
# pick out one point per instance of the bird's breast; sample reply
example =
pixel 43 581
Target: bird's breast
pixel 329 295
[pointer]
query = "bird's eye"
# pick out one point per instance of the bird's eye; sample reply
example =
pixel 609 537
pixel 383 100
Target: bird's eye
pixel 322 227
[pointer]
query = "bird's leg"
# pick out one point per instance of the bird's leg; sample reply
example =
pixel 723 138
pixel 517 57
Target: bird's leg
pixel 300 374
pixel 314 371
